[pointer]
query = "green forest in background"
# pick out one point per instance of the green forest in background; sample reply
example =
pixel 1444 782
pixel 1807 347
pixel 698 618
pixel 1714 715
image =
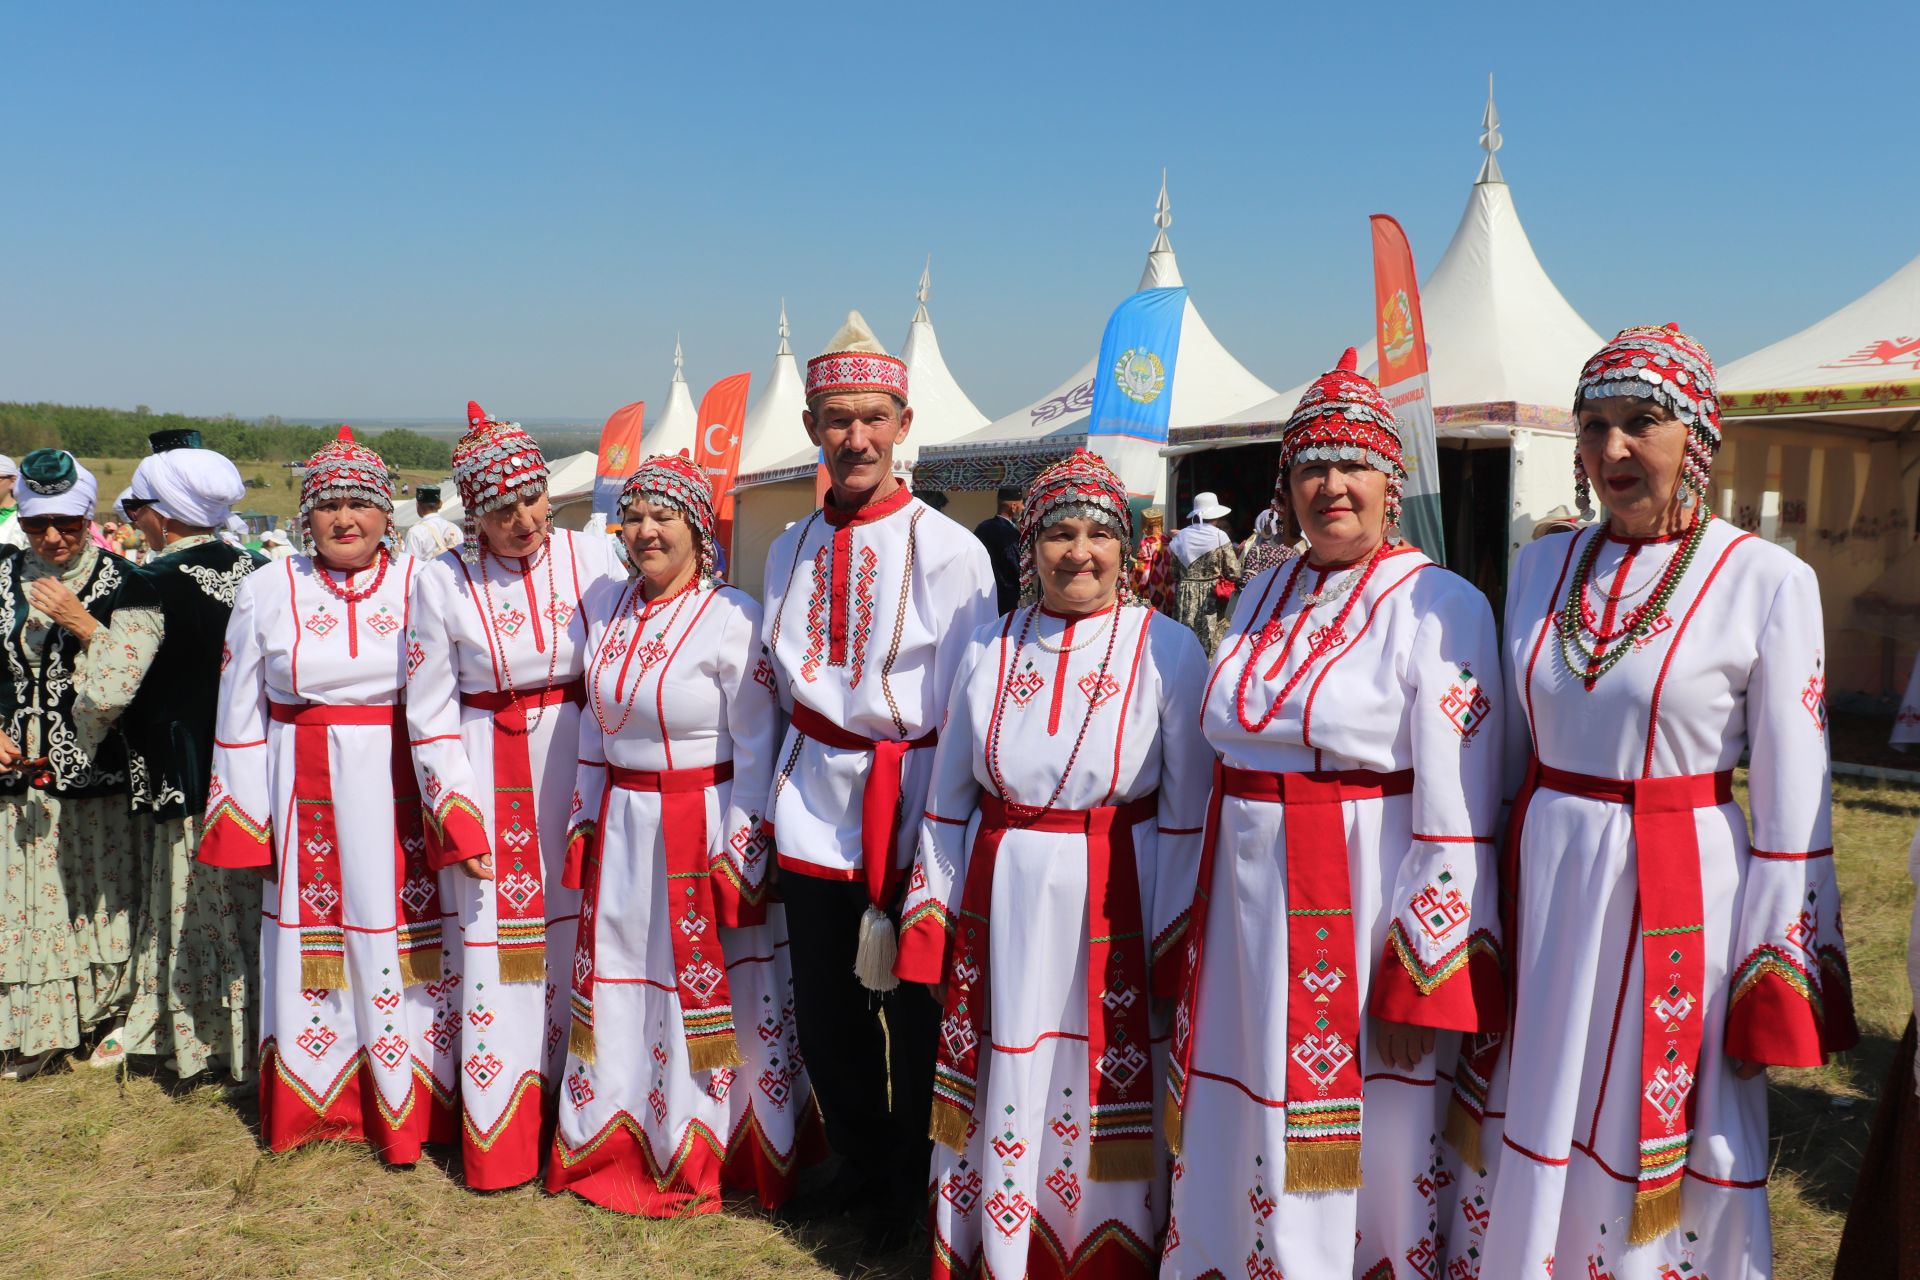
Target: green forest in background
pixel 122 433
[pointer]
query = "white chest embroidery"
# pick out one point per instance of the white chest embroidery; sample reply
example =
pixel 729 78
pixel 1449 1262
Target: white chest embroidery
pixel 221 584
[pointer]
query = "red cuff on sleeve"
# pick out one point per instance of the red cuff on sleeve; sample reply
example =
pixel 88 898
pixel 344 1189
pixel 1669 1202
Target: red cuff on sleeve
pixel 733 906
pixel 455 833
pixel 231 839
pixel 1463 991
pixel 923 949
pixel 1775 1019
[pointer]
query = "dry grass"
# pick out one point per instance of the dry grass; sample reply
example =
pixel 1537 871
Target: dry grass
pixel 112 1177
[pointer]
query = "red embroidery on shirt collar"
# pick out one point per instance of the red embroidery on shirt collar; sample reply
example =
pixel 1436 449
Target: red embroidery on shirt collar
pixel 873 511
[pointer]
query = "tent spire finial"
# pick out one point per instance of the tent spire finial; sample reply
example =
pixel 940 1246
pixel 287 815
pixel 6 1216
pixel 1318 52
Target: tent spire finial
pixel 785 333
pixel 1490 139
pixel 678 361
pixel 926 287
pixel 1162 217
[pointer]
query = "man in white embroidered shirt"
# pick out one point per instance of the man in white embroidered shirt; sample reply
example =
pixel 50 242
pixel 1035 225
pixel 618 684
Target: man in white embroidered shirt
pixel 870 602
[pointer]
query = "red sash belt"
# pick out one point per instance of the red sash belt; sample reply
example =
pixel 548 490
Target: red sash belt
pixel 322 890
pixel 880 805
pixel 1673 962
pixel 700 967
pixel 1119 1059
pixel 1323 1089
pixel 519 895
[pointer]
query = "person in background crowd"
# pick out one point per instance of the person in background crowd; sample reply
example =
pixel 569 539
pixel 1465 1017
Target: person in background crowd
pixel 1268 545
pixel 434 533
pixel 275 545
pixel 312 786
pixel 82 628
pixel 496 649
pixel 198 933
pixel 683 1070
pixel 1151 577
pixel 1058 852
pixel 932 497
pixel 1661 960
pixel 999 533
pixel 11 534
pixel 869 604
pixel 1207 566
pixel 1559 520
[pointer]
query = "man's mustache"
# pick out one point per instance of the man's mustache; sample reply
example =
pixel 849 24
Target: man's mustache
pixel 858 457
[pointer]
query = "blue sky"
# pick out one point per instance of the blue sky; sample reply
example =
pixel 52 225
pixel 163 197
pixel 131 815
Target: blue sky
pixel 380 210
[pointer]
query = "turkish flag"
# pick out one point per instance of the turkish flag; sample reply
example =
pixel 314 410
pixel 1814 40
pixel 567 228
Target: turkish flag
pixel 716 447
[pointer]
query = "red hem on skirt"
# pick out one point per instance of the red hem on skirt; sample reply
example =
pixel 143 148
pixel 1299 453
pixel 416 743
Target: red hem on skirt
pixel 617 1169
pixel 1110 1252
pixel 352 1110
pixel 509 1154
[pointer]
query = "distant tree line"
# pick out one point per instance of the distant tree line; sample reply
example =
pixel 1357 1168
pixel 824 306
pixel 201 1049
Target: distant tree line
pixel 122 433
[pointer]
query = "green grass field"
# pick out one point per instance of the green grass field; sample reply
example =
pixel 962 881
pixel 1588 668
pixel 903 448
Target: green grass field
pixel 276 494
pixel 119 1177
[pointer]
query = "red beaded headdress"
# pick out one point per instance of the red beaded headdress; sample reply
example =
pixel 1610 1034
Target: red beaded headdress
pixel 495 465
pixel 1082 486
pixel 1344 418
pixel 1662 364
pixel 673 480
pixel 854 361
pixel 342 468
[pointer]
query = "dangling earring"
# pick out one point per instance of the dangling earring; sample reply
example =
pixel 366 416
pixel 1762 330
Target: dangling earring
pixel 1582 489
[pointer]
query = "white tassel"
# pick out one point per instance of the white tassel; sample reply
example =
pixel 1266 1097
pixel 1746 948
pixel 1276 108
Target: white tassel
pixel 879 946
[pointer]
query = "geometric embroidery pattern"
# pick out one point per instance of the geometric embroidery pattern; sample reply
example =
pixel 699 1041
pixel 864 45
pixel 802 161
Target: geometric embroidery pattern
pixel 1465 705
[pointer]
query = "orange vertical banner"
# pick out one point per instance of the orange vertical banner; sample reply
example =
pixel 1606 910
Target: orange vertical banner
pixel 716 449
pixel 619 454
pixel 1404 380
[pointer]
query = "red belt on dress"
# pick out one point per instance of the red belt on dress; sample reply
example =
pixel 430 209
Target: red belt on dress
pixel 880 803
pixel 1673 960
pixel 1119 1056
pixel 519 894
pixel 700 967
pixel 320 888
pixel 1323 1090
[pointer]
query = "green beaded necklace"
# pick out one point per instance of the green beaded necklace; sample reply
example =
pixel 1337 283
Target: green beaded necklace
pixel 1568 622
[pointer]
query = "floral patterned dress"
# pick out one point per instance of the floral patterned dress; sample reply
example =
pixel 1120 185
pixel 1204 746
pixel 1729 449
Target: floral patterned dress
pixel 69 852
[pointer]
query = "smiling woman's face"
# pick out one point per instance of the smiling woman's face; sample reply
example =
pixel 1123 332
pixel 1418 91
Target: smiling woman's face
pixel 1632 449
pixel 1078 564
pixel 1341 507
pixel 347 532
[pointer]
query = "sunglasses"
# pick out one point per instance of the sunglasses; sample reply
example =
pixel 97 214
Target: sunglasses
pixel 134 506
pixel 69 525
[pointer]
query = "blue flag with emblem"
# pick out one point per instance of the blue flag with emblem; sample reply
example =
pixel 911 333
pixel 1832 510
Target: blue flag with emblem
pixel 1133 385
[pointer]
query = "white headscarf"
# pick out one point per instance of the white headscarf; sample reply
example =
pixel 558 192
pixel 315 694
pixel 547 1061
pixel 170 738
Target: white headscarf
pixel 196 487
pixel 8 467
pixel 55 484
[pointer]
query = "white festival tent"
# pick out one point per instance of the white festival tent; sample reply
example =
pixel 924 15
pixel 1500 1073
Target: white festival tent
pixel 1822 447
pixel 674 428
pixel 1208 384
pixel 776 483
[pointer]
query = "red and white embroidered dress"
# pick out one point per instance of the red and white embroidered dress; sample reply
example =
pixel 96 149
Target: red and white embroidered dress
pixel 303 784
pixel 860 611
pixel 676 755
pixel 1350 877
pixel 495 657
pixel 1097 715
pixel 1733 666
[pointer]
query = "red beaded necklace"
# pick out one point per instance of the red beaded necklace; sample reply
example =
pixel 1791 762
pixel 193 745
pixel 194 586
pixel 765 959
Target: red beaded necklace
pixel 1269 634
pixel 630 609
pixel 343 591
pixel 999 707
pixel 553 649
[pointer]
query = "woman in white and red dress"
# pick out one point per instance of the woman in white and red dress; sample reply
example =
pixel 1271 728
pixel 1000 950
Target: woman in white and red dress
pixel 1661 957
pixel 1060 841
pixel 683 1071
pixel 1346 923
pixel 494 691
pixel 312 785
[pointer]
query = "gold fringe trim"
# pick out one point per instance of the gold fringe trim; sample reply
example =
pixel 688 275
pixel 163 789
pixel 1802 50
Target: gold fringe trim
pixel 1463 1135
pixel 1121 1160
pixel 1172 1122
pixel 528 964
pixel 420 967
pixel 323 973
pixel 711 1053
pixel 580 1041
pixel 1655 1213
pixel 1323 1166
pixel 949 1125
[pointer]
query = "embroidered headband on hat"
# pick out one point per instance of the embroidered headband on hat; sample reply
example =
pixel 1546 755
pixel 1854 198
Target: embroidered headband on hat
pixel 53 483
pixel 174 438
pixel 196 487
pixel 1344 418
pixel 1079 486
pixel 495 465
pixel 1662 364
pixel 853 362
pixel 342 468
pixel 673 480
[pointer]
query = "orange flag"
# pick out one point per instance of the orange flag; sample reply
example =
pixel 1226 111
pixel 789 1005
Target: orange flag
pixel 1405 382
pixel 619 454
pixel 716 450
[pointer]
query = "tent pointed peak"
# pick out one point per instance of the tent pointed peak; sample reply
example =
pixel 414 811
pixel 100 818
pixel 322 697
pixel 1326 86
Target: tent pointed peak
pixel 1162 217
pixel 1490 141
pixel 679 361
pixel 785 331
pixel 920 315
pixel 1163 271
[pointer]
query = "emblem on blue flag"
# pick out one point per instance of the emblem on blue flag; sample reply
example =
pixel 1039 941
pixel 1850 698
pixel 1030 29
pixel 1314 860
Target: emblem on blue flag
pixel 1138 353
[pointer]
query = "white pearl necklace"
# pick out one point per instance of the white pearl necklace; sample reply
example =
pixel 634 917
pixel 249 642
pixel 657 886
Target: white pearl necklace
pixel 1091 636
pixel 1327 595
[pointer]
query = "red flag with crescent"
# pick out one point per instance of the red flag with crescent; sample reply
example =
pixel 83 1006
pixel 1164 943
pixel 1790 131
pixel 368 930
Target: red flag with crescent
pixel 716 448
pixel 619 455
